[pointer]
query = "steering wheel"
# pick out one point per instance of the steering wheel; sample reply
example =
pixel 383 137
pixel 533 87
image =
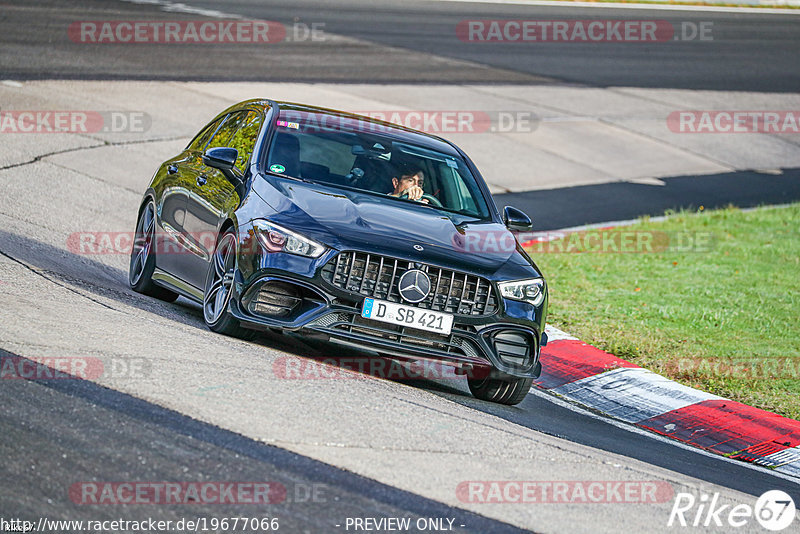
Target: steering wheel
pixel 432 200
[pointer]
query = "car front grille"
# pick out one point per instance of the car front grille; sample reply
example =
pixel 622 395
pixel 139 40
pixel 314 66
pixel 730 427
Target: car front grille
pixel 377 276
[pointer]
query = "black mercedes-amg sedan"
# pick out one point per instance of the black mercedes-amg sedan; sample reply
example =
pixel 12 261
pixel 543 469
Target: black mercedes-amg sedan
pixel 292 217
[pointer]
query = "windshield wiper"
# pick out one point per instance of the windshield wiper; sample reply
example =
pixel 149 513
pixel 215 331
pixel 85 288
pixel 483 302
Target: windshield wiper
pixel 290 177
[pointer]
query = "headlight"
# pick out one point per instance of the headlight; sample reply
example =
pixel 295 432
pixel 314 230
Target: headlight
pixel 274 238
pixel 530 291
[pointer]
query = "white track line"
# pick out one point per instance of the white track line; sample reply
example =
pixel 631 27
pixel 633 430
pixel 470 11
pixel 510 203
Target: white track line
pixel 787 461
pixel 554 334
pixel 178 7
pixel 632 394
pixel 656 7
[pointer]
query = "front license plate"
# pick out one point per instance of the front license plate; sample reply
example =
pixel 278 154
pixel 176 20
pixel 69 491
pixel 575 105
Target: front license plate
pixel 390 312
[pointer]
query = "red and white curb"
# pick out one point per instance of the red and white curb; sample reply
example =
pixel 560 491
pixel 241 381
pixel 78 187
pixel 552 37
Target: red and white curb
pixel 619 389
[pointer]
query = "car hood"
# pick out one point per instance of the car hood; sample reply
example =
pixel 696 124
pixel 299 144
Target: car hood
pixel 346 219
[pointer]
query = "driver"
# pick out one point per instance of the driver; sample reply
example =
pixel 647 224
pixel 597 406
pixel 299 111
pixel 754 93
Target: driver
pixel 409 180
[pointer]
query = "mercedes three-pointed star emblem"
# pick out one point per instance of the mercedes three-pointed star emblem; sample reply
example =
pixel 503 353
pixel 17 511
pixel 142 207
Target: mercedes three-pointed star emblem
pixel 414 286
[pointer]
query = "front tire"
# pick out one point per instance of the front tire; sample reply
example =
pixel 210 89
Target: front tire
pixel 143 257
pixel 508 391
pixel 218 290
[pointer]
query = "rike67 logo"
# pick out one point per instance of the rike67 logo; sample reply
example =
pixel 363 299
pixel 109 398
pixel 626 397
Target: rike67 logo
pixel 774 510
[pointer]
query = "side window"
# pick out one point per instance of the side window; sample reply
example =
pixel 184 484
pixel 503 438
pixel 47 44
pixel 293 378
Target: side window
pixel 244 139
pixel 226 131
pixel 199 142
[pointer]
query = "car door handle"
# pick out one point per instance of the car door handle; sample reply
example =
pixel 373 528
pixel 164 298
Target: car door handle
pixel 172 169
pixel 201 180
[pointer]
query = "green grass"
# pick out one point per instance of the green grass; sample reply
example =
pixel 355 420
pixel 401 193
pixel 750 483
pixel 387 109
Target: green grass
pixel 736 302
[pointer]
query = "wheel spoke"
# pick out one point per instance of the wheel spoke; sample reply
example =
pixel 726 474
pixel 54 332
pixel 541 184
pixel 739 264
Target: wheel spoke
pixel 215 286
pixel 142 244
pixel 212 299
pixel 220 280
pixel 219 301
pixel 135 271
pixel 228 256
pixel 140 260
pixel 219 264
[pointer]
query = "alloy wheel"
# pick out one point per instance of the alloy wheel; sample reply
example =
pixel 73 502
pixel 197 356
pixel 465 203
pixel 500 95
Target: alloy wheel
pixel 220 280
pixel 142 243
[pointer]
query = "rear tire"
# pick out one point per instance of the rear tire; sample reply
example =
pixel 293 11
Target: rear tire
pixel 218 290
pixel 508 391
pixel 143 257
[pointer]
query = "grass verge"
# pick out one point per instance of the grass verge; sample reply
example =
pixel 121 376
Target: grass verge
pixel 710 299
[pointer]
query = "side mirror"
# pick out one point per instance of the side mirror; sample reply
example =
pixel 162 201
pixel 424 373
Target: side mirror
pixel 515 220
pixel 222 158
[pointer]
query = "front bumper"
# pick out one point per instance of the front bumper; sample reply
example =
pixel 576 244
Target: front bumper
pixel 289 292
pixel 508 343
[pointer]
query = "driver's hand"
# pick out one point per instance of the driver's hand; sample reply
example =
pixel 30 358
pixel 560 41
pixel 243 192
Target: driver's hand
pixel 415 192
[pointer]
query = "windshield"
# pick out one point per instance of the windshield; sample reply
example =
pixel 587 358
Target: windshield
pixel 349 153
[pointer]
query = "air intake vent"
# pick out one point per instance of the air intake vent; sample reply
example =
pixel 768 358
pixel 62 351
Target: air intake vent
pixel 275 299
pixel 515 347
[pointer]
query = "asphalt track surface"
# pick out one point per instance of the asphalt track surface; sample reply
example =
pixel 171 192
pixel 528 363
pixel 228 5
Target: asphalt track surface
pixel 59 441
pixel 618 201
pixel 58 431
pixel 536 411
pixel 392 42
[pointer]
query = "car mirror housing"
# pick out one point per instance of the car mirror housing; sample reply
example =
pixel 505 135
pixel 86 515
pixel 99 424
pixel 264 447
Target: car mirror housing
pixel 224 159
pixel 516 220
